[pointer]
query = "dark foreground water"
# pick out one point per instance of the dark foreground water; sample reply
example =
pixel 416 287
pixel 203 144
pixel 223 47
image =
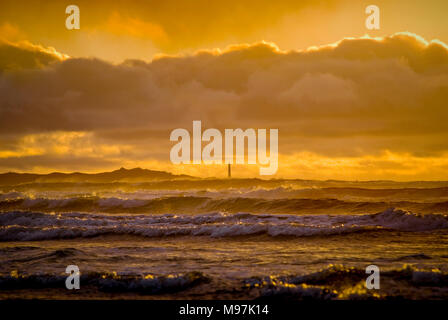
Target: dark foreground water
pixel 222 244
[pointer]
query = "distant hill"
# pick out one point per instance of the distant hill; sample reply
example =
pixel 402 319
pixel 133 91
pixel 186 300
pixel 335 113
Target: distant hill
pixel 121 175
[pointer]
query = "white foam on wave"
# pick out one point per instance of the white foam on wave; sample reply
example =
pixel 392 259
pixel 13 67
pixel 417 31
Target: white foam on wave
pixel 38 226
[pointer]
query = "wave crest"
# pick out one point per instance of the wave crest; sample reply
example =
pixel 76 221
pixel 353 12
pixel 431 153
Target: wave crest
pixel 109 282
pixel 23 226
pixel 205 204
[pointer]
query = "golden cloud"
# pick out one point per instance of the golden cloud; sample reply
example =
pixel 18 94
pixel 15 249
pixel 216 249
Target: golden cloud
pixel 121 25
pixel 347 104
pixel 23 54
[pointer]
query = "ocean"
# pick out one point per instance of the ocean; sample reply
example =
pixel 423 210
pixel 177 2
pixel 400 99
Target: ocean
pixel 224 239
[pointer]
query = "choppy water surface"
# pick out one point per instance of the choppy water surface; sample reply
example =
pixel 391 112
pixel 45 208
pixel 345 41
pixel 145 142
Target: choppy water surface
pixel 285 242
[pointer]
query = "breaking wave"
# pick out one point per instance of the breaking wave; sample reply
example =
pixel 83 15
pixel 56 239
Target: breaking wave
pixel 26 226
pixel 205 204
pixel 342 282
pixel 333 282
pixel 108 282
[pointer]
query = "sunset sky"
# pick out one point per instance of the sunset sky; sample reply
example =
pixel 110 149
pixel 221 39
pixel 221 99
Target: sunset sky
pixel 349 103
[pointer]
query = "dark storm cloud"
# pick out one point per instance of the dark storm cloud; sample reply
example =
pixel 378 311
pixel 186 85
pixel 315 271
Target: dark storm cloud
pixel 357 96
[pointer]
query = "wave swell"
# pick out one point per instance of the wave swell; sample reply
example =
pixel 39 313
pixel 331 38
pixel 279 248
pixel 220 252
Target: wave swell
pixel 27 226
pixel 109 282
pixel 198 204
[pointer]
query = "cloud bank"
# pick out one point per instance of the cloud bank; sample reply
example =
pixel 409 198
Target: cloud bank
pixel 356 99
